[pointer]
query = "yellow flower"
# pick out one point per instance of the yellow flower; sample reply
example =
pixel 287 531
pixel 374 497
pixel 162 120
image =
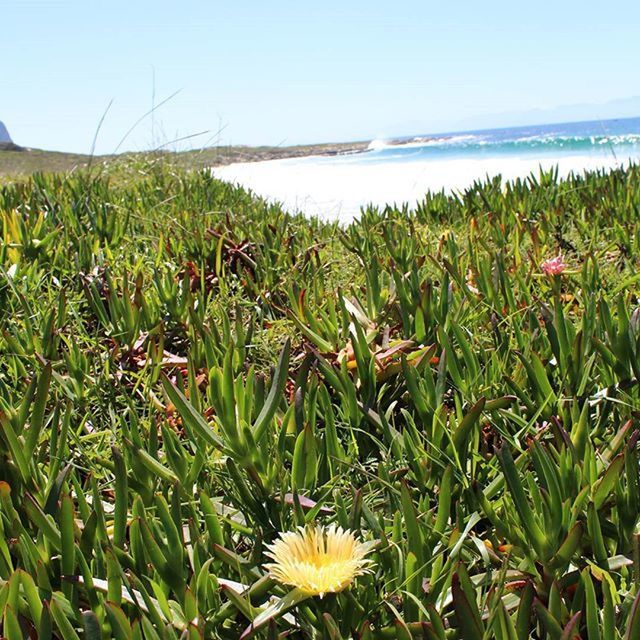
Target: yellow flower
pixel 318 560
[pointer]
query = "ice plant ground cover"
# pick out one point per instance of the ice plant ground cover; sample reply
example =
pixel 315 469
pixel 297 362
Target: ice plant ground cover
pixel 188 375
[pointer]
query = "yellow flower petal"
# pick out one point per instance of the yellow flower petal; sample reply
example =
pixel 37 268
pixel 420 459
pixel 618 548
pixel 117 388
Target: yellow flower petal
pixel 318 560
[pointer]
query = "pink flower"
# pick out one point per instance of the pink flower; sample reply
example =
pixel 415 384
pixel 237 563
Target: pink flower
pixel 554 266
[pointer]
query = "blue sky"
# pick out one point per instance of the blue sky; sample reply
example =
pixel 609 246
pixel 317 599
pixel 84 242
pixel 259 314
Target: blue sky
pixel 261 72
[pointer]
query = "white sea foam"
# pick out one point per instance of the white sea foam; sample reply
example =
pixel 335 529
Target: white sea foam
pixel 550 140
pixel 425 141
pixel 376 145
pixel 333 189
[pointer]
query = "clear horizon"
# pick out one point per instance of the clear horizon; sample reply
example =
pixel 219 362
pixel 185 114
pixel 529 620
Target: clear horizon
pixel 286 74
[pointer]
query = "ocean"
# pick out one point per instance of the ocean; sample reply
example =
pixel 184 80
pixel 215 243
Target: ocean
pixel 401 170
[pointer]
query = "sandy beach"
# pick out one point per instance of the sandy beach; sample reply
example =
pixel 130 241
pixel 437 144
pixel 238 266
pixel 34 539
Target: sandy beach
pixel 336 188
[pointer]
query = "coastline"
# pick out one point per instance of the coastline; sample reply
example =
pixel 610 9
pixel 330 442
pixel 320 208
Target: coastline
pixel 244 154
pixel 16 161
pixel 337 190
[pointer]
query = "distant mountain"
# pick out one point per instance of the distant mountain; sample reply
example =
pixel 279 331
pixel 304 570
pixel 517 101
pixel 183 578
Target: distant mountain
pixel 621 108
pixel 6 144
pixel 4 134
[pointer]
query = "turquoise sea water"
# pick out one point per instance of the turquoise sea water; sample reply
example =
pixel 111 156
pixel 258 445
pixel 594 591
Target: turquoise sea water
pixel 609 138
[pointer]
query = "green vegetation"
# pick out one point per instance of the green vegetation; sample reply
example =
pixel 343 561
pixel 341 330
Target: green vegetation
pixel 186 371
pixel 15 161
pixel 19 161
